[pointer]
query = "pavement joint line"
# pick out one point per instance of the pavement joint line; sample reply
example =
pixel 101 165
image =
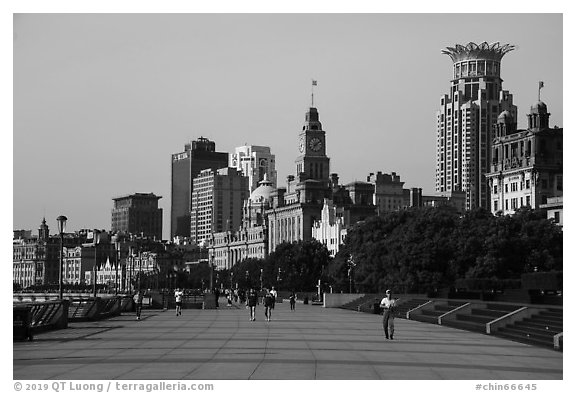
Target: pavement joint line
pixel 314 344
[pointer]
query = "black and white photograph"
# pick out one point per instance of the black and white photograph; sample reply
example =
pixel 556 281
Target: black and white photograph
pixel 202 199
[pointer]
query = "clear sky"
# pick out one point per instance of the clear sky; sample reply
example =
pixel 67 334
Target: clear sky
pixel 101 101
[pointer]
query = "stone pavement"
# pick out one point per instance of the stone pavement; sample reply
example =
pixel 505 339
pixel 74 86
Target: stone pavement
pixel 311 343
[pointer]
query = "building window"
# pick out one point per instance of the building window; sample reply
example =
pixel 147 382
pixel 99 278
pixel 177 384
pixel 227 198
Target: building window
pixel 495 189
pixel 556 217
pixel 506 188
pixel 506 204
pixel 527 200
pixel 527 183
pixel 495 206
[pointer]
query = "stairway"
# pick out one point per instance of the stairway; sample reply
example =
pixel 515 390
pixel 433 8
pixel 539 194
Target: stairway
pixel 410 304
pixel 364 303
pixel 539 329
pixel 431 316
pixel 477 320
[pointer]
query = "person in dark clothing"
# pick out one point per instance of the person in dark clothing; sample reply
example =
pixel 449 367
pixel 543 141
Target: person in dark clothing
pixel 268 304
pixel 293 301
pixel 139 300
pixel 251 302
pixel 216 296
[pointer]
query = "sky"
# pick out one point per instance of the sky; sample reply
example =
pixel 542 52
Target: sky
pixel 101 101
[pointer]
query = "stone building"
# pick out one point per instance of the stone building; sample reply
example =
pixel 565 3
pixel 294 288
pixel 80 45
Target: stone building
pixel 139 214
pixel 255 162
pixel 526 165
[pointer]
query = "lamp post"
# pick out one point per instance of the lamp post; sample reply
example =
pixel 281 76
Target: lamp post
pixel 351 266
pixel 117 262
pixel 261 279
pixel 211 272
pixel 61 226
pixel 96 241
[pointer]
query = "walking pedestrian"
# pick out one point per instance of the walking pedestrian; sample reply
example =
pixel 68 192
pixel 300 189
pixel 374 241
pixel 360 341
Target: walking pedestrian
pixel 178 294
pixel 389 306
pixel 293 301
pixel 139 300
pixel 268 304
pixel 274 295
pixel 251 302
pixel 229 298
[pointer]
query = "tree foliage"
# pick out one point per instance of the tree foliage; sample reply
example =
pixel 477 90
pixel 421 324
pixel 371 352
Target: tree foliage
pixel 427 249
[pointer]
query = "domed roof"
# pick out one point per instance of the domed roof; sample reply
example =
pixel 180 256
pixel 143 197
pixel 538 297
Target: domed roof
pixel 539 107
pixel 504 117
pixel 264 191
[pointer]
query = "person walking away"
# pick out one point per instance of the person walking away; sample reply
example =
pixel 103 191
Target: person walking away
pixel 274 295
pixel 251 301
pixel 293 301
pixel 139 300
pixel 229 297
pixel 178 294
pixel 268 304
pixel 389 306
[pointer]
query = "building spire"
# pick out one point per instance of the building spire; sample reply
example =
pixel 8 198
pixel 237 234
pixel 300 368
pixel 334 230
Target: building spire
pixel 540 86
pixel 314 83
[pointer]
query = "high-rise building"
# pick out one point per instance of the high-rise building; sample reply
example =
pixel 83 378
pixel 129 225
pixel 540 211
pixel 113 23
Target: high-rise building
pixel 255 162
pixel 466 118
pixel 526 164
pixel 138 214
pixel 217 202
pixel 197 155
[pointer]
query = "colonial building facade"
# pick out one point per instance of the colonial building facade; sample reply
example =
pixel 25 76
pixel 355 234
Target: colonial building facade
pixel 465 120
pixel 526 165
pixel 251 239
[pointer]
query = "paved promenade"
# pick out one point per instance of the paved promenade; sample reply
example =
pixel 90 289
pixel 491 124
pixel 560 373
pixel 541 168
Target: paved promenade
pixel 311 343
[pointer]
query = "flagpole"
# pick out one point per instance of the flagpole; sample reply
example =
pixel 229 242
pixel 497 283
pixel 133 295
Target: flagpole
pixel 313 84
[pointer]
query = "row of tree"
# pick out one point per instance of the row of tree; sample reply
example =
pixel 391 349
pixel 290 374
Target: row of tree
pixel 415 250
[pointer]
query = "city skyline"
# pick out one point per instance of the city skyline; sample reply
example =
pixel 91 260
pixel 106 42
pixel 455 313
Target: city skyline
pixel 124 98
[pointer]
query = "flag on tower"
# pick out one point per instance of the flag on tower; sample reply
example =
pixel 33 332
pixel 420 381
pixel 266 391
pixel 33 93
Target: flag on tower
pixel 540 84
pixel 315 83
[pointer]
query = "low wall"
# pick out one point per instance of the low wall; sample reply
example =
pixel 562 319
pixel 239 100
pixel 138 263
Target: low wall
pixel 332 300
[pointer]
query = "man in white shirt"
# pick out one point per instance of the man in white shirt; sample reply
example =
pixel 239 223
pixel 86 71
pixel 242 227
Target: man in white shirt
pixel 388 305
pixel 178 294
pixel 274 295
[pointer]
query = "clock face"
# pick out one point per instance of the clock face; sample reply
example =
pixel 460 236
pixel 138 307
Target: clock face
pixel 315 144
pixel 302 145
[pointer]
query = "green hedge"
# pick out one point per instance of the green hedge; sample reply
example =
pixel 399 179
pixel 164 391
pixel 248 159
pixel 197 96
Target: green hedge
pixel 542 280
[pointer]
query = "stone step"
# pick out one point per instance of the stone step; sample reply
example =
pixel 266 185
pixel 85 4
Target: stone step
pixel 523 333
pixel 466 325
pixel 424 318
pixel 529 329
pixel 508 308
pixel 543 324
pixel 494 314
pixel 474 318
pixel 527 340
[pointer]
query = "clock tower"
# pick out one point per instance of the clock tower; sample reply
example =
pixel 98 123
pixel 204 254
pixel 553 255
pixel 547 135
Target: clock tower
pixel 312 162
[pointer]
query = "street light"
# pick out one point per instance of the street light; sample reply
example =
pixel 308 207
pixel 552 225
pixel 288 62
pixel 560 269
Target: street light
pixel 117 262
pixel 261 279
pixel 96 241
pixel 61 226
pixel 351 265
